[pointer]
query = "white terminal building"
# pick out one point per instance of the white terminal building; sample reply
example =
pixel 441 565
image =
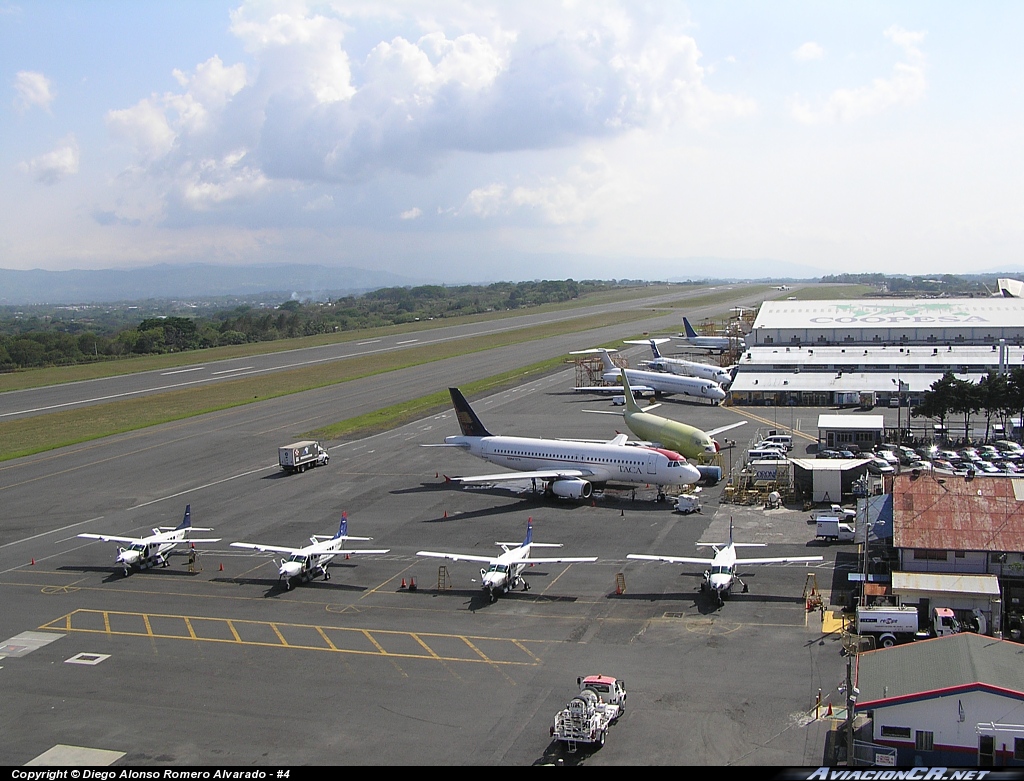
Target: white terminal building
pixel 826 353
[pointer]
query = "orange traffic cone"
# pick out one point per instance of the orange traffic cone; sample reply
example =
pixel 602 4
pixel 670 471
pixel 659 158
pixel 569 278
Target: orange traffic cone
pixel 412 584
pixel 445 513
pixel 403 584
pixel 347 557
pixel 33 562
pixel 829 709
pixel 222 566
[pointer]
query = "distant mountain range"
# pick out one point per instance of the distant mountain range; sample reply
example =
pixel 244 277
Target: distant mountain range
pixel 188 281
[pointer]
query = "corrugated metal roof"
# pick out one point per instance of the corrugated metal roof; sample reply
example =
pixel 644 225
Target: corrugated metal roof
pixel 929 667
pixel 748 381
pixel 954 513
pixel 937 582
pixel 875 313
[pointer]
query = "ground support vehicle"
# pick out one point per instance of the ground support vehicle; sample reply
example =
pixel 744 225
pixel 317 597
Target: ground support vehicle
pixel 300 456
pixel 893 625
pixel 586 718
pixel 834 530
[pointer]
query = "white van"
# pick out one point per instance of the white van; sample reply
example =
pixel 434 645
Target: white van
pixel 766 454
pixel 784 440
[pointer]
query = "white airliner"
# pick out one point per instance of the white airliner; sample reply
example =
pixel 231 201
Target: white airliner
pixel 146 552
pixel 783 287
pixel 718 580
pixel 719 343
pixel 304 564
pixel 704 371
pixel 570 468
pixel 658 383
pixel 505 572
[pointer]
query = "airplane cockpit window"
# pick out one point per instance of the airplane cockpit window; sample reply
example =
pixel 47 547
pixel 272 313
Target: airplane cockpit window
pixel 297 557
pixel 719 570
pixel 498 568
pixel 138 546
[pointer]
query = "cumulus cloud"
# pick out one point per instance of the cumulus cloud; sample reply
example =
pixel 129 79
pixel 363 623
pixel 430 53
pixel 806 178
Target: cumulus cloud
pixel 323 101
pixel 572 198
pixel 32 89
pixel 904 86
pixel 53 166
pixel 411 214
pixel 808 51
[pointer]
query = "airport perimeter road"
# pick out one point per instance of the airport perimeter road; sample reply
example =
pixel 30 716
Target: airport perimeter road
pixel 226 667
pixel 36 401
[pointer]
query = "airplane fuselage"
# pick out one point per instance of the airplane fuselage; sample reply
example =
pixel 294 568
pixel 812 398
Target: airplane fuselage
pixel 692 369
pixel 663 382
pixel 687 440
pixel 599 462
pixel 149 552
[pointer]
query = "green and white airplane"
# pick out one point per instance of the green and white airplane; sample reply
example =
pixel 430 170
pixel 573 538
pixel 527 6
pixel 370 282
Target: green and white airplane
pixel 687 440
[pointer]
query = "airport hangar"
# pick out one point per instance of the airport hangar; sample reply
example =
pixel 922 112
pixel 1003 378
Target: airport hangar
pixel 811 353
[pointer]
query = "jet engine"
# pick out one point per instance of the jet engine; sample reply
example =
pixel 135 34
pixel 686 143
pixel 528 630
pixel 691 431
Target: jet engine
pixel 572 489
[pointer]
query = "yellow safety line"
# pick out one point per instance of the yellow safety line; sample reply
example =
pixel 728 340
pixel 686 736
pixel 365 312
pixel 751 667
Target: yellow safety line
pixel 376 645
pixel 483 656
pixel 327 640
pixel 426 647
pixel 67 621
pixel 526 650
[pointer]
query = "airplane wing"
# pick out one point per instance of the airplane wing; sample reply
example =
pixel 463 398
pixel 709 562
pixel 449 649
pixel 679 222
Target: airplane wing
pixel 671 559
pixel 346 551
pixel 723 429
pixel 110 538
pixel 561 560
pixel 540 474
pixel 455 556
pixel 779 560
pixel 265 548
pixel 189 539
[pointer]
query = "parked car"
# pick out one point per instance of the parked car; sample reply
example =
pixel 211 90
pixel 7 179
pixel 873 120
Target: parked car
pixel 948 455
pixel 988 467
pixel 1006 446
pixel 924 466
pixel 879 466
pixel 828 454
pixel 970 454
pixel 889 457
pixel 941 463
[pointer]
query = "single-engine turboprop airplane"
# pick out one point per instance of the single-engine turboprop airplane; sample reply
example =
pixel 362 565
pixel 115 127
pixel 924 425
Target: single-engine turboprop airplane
pixel 658 383
pixel 146 552
pixel 570 468
pixel 714 343
pixel 705 371
pixel 719 578
pixel 687 440
pixel 505 572
pixel 304 564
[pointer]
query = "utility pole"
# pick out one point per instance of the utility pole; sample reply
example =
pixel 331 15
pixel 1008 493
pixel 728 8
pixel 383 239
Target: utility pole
pixel 851 702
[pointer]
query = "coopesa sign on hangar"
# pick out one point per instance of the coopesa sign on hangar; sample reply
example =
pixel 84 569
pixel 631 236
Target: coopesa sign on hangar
pixel 928 321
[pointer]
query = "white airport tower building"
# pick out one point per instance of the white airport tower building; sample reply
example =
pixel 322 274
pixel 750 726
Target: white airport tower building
pixel 865 351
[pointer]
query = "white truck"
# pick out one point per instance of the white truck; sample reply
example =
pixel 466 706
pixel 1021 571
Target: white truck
pixel 300 456
pixel 602 699
pixel 834 530
pixel 688 503
pixel 892 625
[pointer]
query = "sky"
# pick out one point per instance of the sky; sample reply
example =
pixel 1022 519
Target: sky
pixel 479 141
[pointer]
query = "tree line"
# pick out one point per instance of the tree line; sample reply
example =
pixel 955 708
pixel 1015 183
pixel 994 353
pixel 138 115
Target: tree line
pixel 61 339
pixel 997 397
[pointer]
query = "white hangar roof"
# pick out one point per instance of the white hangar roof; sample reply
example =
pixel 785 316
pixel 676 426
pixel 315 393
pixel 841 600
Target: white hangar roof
pixel 876 313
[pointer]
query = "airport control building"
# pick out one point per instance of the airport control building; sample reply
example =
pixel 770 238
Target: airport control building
pixel 828 353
